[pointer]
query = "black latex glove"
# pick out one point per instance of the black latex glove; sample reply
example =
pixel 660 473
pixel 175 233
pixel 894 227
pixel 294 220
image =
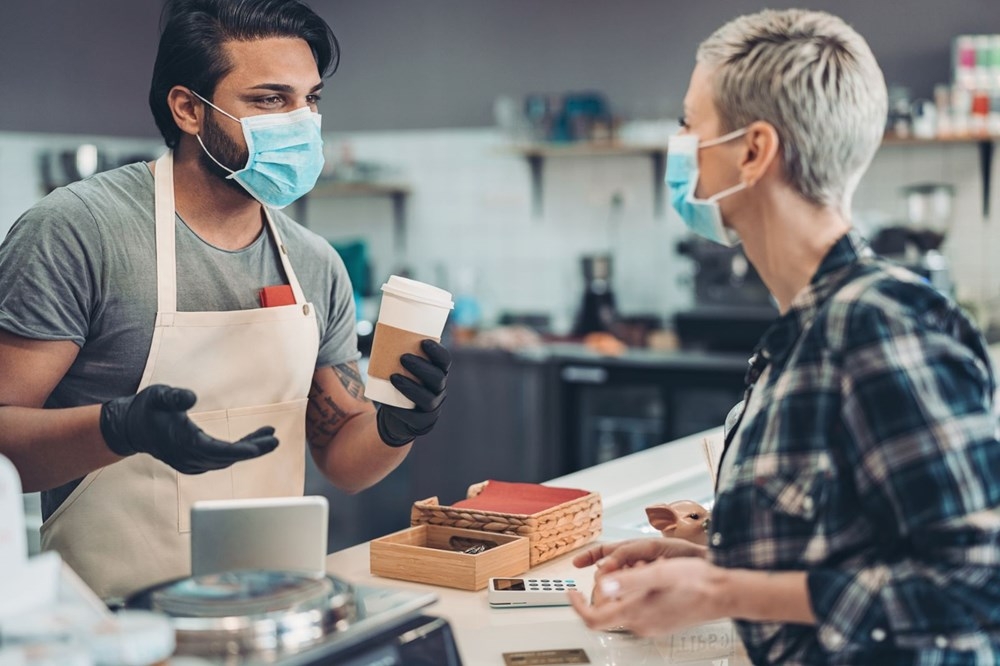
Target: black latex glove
pixel 155 421
pixel 397 426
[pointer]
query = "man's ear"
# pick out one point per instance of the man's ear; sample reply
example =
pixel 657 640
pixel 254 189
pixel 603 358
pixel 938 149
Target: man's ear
pixel 188 110
pixel 761 152
pixel 662 518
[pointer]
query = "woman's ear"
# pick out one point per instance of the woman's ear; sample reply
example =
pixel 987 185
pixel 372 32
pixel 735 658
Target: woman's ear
pixel 761 144
pixel 188 110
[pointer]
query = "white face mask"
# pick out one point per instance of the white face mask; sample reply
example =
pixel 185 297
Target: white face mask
pixel 702 216
pixel 286 154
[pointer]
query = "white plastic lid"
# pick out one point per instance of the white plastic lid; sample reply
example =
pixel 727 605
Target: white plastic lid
pixel 133 638
pixel 420 292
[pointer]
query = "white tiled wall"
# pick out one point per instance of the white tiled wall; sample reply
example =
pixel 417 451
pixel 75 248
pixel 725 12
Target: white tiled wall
pixel 470 213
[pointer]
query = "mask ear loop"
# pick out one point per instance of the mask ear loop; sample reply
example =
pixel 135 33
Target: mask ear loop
pixel 217 108
pixel 725 193
pixel 198 135
pixel 707 143
pixel 716 141
pixel 211 156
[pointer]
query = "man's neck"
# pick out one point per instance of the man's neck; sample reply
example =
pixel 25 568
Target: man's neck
pixel 221 215
pixel 786 238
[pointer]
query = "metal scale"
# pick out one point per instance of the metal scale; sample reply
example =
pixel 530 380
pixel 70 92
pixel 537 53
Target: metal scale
pixel 291 619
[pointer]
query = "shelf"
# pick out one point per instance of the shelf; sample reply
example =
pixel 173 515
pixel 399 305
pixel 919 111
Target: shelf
pixel 985 143
pixel 585 149
pixel 893 140
pixel 331 189
pixel 537 153
pixel 358 189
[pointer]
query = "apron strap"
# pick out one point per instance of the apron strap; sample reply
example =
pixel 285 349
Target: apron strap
pixel 166 252
pixel 286 263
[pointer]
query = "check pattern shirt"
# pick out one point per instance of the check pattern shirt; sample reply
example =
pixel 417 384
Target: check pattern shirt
pixel 868 457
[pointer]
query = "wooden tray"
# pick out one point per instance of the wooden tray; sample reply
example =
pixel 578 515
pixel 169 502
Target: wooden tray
pixel 423 554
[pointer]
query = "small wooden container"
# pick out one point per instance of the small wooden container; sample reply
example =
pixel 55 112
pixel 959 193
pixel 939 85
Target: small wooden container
pixel 423 554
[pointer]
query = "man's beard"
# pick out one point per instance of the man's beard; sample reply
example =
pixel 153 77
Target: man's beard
pixel 224 149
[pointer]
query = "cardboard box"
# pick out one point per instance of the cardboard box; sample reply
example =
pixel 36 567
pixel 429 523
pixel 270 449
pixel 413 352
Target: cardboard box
pixel 424 554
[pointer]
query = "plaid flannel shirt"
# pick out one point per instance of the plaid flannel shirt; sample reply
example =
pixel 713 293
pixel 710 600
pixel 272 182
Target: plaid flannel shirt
pixel 867 456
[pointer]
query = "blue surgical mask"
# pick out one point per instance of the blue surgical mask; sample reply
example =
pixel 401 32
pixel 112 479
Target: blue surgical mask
pixel 286 154
pixel 702 216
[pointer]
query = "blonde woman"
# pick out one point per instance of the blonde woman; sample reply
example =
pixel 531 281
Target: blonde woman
pixel 855 519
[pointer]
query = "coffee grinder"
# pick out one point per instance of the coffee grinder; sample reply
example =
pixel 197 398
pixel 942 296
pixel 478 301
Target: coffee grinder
pixel 597 312
pixel 916 242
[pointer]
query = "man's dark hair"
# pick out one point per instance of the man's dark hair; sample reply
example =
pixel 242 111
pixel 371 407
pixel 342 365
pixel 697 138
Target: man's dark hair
pixel 191 50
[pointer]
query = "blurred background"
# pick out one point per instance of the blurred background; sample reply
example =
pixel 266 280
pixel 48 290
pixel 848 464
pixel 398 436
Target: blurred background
pixel 512 152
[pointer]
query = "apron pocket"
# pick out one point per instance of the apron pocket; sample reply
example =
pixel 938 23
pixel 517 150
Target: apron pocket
pixel 280 473
pixel 213 485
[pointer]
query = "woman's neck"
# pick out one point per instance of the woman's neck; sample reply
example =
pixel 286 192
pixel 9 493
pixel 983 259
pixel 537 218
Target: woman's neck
pixel 786 238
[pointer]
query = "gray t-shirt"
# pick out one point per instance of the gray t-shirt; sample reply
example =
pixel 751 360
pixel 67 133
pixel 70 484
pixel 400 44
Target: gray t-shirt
pixel 81 265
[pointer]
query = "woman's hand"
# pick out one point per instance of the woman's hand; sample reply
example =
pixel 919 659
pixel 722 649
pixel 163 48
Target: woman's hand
pixel 624 554
pixel 657 597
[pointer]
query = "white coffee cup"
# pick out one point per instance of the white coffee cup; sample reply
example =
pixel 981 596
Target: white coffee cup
pixel 410 312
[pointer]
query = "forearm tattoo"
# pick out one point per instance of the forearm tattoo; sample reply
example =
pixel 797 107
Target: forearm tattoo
pixel 350 377
pixel 324 417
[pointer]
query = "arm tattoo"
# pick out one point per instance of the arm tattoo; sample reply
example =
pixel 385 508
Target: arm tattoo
pixel 324 416
pixel 350 377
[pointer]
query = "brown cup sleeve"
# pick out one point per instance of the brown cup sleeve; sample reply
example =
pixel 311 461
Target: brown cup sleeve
pixel 388 345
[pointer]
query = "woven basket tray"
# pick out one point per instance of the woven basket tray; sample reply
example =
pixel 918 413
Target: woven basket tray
pixel 550 533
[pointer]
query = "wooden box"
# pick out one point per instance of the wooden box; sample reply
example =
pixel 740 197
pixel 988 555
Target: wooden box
pixel 423 554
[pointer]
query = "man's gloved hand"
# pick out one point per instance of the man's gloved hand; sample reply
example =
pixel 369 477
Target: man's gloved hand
pixel 397 426
pixel 155 421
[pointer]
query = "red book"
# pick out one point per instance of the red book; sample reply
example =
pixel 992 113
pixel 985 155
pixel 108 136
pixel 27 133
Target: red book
pixel 519 498
pixel 272 297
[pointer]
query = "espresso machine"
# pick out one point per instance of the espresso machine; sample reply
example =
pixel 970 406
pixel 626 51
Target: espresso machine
pixel 732 306
pixel 916 241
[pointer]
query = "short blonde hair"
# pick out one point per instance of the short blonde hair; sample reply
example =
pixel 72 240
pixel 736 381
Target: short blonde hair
pixel 813 78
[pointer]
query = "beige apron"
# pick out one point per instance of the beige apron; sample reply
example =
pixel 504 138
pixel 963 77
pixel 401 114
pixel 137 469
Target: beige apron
pixel 127 525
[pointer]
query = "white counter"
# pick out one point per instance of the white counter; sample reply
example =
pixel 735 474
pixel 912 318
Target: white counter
pixel 627 484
